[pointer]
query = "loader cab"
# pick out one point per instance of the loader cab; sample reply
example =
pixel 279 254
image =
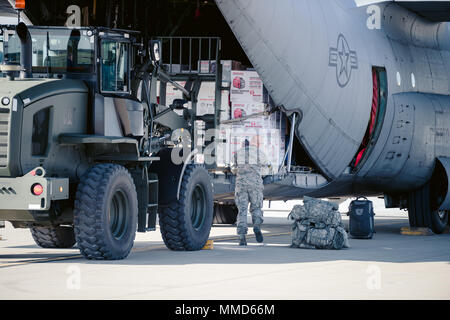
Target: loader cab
pixel 99 56
pixel 116 109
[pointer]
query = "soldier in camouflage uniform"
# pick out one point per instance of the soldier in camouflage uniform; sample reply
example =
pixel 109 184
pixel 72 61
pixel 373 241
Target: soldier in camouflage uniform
pixel 249 188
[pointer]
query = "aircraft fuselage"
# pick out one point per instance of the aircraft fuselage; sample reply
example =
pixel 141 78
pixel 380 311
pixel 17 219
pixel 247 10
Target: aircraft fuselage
pixel 373 102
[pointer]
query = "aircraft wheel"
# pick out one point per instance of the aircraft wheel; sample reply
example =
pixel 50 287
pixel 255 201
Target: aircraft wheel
pixel 421 214
pixel 439 221
pixel 105 213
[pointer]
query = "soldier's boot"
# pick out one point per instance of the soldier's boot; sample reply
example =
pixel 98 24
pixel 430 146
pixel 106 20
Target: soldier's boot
pixel 258 234
pixel 242 240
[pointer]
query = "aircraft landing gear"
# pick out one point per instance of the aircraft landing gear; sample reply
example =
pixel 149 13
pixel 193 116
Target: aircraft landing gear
pixel 421 212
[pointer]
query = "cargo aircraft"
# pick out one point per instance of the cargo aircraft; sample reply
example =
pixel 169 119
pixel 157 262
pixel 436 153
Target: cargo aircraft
pixel 366 85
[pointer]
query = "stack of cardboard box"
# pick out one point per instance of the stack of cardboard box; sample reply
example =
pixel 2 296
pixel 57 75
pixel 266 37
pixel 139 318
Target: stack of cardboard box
pixel 250 97
pixel 209 67
pixel 244 96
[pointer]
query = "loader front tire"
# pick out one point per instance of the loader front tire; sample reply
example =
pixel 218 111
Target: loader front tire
pixel 105 213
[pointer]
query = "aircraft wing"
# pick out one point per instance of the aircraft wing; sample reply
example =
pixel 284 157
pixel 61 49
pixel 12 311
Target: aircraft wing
pixel 436 11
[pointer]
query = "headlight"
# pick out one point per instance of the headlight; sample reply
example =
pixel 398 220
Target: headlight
pixel 6 101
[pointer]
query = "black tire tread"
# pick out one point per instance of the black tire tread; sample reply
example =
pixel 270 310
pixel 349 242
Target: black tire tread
pixel 173 224
pixel 225 214
pixel 420 212
pixel 89 230
pixel 54 236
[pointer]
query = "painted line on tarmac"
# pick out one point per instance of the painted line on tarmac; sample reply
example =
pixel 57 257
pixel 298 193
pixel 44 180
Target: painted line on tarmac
pixel 26 262
pixel 135 250
pixel 268 235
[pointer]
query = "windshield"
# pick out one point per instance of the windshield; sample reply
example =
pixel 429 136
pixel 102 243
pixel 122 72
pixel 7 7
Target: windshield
pixel 54 50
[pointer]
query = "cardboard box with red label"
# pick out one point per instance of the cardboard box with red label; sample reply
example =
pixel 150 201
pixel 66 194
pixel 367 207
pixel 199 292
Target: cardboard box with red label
pixel 247 87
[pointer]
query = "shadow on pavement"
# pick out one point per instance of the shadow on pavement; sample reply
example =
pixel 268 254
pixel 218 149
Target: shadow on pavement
pixel 387 245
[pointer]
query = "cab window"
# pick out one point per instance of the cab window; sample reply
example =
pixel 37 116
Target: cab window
pixel 115 66
pixel 54 50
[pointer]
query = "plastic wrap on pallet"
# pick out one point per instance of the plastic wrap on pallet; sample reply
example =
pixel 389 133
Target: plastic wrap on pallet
pixel 269 145
pixel 232 139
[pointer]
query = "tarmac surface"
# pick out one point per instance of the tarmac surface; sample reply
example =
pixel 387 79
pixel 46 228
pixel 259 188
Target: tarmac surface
pixel 390 266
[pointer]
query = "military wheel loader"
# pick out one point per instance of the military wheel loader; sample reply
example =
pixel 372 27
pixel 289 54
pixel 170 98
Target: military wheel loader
pixel 86 147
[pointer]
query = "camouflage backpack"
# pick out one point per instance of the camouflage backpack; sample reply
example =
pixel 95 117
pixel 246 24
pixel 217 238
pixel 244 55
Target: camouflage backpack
pixel 317 225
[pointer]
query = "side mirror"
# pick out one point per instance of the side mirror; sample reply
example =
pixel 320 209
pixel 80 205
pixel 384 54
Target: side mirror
pixel 155 50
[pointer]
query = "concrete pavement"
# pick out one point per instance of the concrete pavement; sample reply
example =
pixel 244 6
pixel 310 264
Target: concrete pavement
pixel 390 266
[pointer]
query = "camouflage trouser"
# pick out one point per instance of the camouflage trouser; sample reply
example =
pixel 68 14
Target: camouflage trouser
pixel 245 194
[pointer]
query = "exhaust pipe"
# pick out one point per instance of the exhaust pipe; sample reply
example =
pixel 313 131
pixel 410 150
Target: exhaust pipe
pixel 25 51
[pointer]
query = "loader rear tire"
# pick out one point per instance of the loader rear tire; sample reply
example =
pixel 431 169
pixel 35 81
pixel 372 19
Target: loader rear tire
pixel 186 223
pixel 53 237
pixel 225 214
pixel 105 213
